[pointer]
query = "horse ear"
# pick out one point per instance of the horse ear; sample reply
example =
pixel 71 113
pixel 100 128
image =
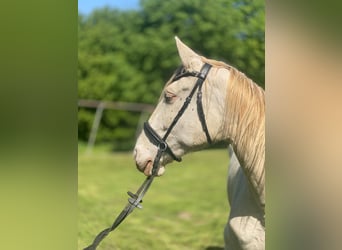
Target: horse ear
pixel 187 55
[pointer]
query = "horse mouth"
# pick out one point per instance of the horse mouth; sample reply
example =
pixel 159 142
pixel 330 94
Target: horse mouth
pixel 147 170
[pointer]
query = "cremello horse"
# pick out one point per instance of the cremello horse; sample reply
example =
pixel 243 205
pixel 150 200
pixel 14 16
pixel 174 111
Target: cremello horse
pixel 234 111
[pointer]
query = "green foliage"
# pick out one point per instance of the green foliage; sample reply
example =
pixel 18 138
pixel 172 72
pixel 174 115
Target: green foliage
pixel 129 55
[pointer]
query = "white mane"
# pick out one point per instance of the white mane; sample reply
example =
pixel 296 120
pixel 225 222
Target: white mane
pixel 244 124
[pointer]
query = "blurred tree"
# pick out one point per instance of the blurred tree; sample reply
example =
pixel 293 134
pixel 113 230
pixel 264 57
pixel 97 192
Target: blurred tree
pixel 228 30
pixel 129 55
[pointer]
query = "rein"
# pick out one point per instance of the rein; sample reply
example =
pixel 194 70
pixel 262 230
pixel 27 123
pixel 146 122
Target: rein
pixel 135 199
pixel 133 202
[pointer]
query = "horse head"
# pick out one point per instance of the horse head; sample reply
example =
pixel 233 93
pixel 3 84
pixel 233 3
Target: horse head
pixel 188 131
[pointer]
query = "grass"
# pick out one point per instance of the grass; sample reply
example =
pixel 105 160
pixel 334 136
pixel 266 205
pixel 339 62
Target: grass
pixel 187 208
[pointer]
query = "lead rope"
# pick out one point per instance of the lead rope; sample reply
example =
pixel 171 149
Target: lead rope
pixel 133 202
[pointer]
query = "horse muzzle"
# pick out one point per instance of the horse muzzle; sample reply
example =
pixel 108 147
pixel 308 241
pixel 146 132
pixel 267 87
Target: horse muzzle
pixel 144 162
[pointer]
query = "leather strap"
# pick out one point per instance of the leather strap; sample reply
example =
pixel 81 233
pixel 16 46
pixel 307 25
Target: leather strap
pixel 159 142
pixel 200 111
pixel 133 202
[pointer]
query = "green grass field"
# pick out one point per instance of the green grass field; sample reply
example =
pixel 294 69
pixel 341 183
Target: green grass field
pixel 186 208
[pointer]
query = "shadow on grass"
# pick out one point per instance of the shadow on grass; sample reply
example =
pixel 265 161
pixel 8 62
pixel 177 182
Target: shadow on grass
pixel 214 248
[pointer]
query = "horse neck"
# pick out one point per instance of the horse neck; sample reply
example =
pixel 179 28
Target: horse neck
pixel 245 128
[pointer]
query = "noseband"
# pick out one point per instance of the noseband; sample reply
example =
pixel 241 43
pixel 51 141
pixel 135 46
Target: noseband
pixel 160 142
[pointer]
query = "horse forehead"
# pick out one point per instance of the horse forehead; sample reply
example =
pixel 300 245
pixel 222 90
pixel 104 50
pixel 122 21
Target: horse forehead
pixel 182 84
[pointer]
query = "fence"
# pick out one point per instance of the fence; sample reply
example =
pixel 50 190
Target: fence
pixel 143 108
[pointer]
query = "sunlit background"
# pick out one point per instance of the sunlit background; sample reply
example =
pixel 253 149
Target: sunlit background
pixel 126 53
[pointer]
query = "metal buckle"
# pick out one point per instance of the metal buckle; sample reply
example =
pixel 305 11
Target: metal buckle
pixel 162 146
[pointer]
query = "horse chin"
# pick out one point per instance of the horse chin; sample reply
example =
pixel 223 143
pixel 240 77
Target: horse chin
pixel 161 171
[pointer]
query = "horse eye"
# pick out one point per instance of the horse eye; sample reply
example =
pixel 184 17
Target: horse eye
pixel 169 97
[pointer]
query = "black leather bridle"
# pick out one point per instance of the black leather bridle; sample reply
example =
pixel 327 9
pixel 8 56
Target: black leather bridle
pixel 161 142
pixel 135 199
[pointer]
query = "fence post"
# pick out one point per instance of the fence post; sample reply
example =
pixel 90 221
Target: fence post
pixel 95 126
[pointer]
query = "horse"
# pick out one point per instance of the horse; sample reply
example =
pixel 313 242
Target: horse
pixel 230 108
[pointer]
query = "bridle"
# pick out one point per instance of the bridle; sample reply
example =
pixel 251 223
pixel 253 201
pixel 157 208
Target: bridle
pixel 135 199
pixel 161 142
